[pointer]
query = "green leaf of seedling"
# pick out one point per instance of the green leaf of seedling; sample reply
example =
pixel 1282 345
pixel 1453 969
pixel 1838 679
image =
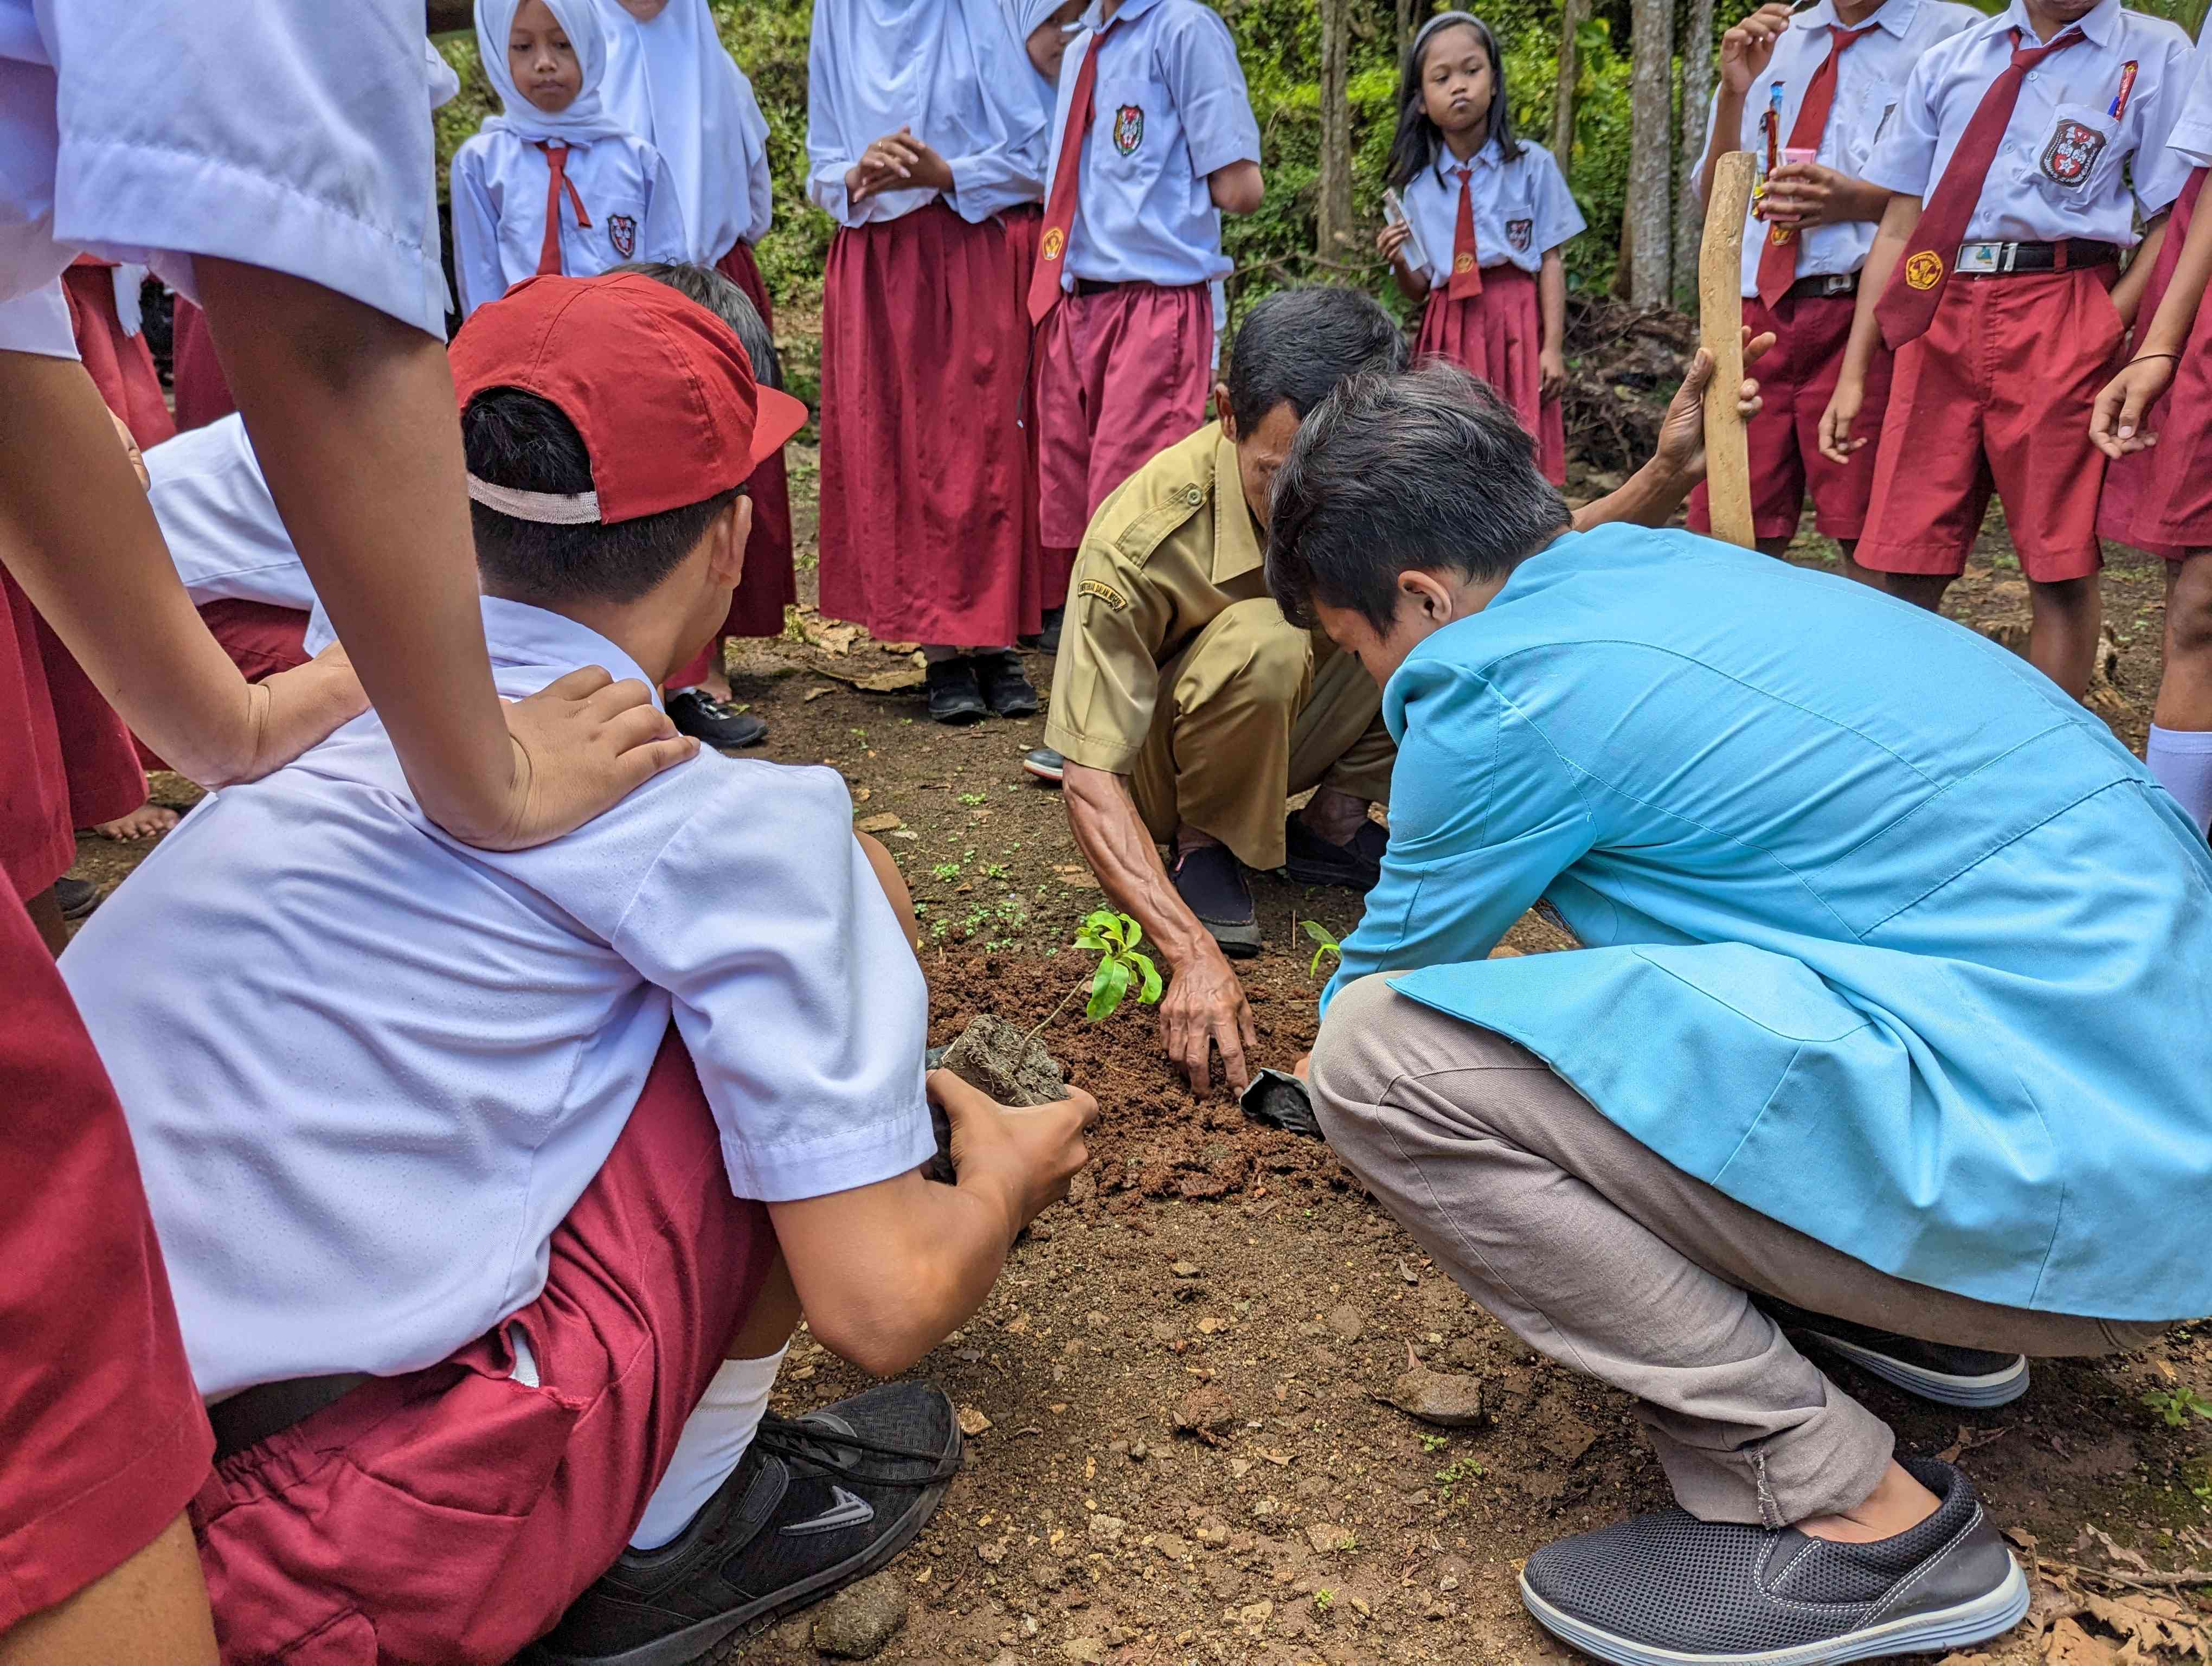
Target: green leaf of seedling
pixel 1107 989
pixel 1133 934
pixel 1148 986
pixel 1092 941
pixel 1319 932
pixel 1313 970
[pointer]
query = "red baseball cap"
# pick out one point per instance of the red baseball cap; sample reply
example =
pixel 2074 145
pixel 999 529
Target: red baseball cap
pixel 659 389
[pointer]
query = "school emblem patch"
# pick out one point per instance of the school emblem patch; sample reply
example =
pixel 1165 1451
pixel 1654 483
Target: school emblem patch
pixel 1924 271
pixel 1055 241
pixel 1520 233
pixel 622 232
pixel 1128 128
pixel 2072 151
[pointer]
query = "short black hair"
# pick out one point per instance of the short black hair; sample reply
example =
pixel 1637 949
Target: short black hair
pixel 726 301
pixel 1426 469
pixel 1297 344
pixel 514 438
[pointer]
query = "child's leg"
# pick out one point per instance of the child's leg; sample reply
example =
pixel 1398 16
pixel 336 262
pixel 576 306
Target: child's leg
pixel 1931 478
pixel 2062 642
pixel 2180 753
pixel 152 1609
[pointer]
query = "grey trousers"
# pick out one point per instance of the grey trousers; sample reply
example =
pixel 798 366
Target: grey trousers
pixel 1592 1249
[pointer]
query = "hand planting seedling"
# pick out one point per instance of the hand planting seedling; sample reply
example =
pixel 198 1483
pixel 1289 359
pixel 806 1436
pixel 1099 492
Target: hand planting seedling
pixel 1328 946
pixel 1115 938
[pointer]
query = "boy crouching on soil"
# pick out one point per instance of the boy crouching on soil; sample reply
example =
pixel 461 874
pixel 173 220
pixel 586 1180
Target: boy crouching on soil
pixel 469 1249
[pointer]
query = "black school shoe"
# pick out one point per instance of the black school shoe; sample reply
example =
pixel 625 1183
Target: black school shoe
pixel 1672 1590
pixel 1006 688
pixel 1974 1378
pixel 1313 860
pixel 713 722
pixel 813 1505
pixel 76 899
pixel 955 695
pixel 1212 884
pixel 1045 765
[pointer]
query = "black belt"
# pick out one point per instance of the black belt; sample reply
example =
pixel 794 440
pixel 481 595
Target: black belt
pixel 1823 285
pixel 252 1415
pixel 1092 286
pixel 2000 259
pixel 1099 286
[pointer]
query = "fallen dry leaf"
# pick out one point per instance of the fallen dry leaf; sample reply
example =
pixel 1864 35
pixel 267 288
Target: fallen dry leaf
pixel 882 823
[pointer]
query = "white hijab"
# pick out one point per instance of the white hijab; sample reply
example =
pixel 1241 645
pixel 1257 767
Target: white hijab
pixel 1025 18
pixel 673 83
pixel 585 118
pixel 950 69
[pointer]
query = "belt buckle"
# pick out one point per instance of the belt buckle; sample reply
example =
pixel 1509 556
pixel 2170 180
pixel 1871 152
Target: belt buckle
pixel 1980 257
pixel 1837 284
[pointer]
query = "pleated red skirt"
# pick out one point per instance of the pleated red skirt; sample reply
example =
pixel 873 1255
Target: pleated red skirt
pixel 1499 335
pixel 195 373
pixel 924 468
pixel 1025 229
pixel 2160 500
pixel 769 585
pixel 121 367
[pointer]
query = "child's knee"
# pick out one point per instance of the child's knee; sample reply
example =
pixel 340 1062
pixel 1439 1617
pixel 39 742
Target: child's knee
pixel 894 883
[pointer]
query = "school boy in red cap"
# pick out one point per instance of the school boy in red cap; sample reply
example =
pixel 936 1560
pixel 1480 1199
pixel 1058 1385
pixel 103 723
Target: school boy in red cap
pixel 1153 141
pixel 477 1263
pixel 1992 280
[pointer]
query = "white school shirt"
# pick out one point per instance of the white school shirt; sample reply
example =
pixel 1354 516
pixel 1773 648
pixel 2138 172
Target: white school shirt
pixel 1870 79
pixel 283 136
pixel 371 1069
pixel 498 196
pixel 220 522
pixel 1522 209
pixel 2060 172
pixel 2189 145
pixel 1169 108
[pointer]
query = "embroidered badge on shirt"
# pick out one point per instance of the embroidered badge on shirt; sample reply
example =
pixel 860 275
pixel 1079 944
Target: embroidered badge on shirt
pixel 1520 234
pixel 1924 271
pixel 2071 153
pixel 1128 128
pixel 1105 592
pixel 622 232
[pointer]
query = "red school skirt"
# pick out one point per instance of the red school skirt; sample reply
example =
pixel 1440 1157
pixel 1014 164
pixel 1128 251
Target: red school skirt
pixel 104 1439
pixel 2160 500
pixel 1499 335
pixel 196 375
pixel 925 470
pixel 121 367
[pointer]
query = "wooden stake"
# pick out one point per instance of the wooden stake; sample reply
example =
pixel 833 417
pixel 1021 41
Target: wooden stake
pixel 1720 323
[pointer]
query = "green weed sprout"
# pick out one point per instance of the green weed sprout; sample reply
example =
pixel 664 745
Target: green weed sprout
pixel 1115 939
pixel 2176 1405
pixel 1327 944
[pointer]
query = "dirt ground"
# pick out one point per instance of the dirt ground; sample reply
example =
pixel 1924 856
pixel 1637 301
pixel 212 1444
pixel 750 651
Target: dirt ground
pixel 1203 1256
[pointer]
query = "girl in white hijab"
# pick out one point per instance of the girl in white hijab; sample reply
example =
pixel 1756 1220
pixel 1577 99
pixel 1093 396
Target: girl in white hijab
pixel 554 183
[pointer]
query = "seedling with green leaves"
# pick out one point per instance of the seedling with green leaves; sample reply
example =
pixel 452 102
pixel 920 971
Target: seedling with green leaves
pixel 2178 1404
pixel 1326 944
pixel 1117 940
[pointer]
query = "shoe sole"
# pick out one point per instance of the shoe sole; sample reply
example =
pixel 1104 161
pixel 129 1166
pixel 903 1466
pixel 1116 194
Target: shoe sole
pixel 1016 709
pixel 1313 874
pixel 1999 1388
pixel 1956 1627
pixel 682 1648
pixel 1242 942
pixel 960 720
pixel 1042 772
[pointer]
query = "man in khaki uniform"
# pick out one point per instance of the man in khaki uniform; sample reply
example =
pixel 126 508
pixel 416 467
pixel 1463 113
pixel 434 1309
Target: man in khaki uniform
pixel 1185 708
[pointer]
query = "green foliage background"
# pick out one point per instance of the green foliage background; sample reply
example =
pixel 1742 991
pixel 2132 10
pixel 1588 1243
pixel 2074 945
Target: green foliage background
pixel 1279 44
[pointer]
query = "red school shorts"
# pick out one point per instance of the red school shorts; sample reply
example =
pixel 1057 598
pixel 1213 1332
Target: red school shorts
pixel 101 1430
pixel 1796 378
pixel 1122 374
pixel 1997 396
pixel 453 1514
pixel 2160 500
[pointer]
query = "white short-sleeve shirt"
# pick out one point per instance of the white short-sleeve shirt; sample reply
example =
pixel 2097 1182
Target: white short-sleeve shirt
pixel 220 522
pixel 371 1069
pixel 1169 108
pixel 1522 209
pixel 498 196
pixel 1870 79
pixel 2189 144
pixel 2062 170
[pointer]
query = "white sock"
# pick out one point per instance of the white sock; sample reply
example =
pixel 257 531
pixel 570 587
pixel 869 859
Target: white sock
pixel 714 1438
pixel 2182 761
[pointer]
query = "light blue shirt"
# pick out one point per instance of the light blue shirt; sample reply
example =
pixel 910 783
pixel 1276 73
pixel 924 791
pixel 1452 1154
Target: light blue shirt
pixel 1169 109
pixel 499 185
pixel 1889 940
pixel 1522 209
pixel 369 1070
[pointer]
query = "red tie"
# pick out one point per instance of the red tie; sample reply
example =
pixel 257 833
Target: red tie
pixel 1466 281
pixel 1059 208
pixel 1908 302
pixel 557 179
pixel 1777 261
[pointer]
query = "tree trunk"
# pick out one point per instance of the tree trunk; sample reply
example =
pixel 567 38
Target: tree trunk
pixel 1696 103
pixel 1652 152
pixel 1571 14
pixel 1332 208
pixel 1411 14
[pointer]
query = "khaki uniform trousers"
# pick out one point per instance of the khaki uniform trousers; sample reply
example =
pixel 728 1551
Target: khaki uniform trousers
pixel 1245 718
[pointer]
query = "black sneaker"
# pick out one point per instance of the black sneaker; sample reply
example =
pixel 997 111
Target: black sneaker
pixel 1313 860
pixel 1212 884
pixel 814 1505
pixel 713 722
pixel 1974 1378
pixel 955 696
pixel 1044 764
pixel 76 898
pixel 1048 638
pixel 1006 688
pixel 1672 1590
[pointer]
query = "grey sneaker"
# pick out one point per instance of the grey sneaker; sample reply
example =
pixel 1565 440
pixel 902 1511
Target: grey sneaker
pixel 1974 1378
pixel 1672 1590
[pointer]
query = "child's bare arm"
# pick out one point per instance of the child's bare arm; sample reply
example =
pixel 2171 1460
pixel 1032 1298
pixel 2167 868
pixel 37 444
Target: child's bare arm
pixel 2127 292
pixel 1899 222
pixel 1392 239
pixel 1236 188
pixel 2116 424
pixel 1551 304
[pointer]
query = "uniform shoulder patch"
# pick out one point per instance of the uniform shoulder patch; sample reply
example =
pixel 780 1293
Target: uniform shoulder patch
pixel 1105 592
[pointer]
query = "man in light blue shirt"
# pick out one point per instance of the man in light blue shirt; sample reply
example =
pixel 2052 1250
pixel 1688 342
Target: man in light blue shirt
pixel 1893 1028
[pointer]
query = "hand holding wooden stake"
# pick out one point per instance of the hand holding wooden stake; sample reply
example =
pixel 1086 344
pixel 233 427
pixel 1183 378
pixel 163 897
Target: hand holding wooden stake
pixel 1720 322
